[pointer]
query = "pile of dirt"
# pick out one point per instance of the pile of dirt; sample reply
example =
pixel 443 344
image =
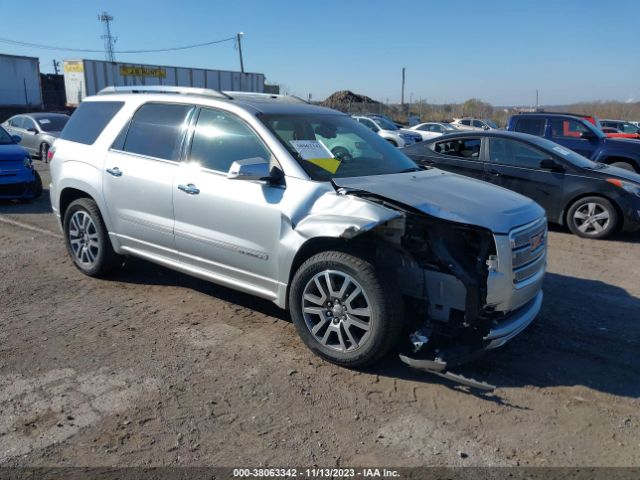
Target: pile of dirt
pixel 346 97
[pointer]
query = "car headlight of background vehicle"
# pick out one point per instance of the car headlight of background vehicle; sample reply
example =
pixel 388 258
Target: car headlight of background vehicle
pixel 27 162
pixel 632 188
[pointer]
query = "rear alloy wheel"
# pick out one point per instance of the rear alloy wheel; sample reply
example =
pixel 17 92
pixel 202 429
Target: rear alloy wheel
pixel 343 312
pixel 87 239
pixel 592 217
pixel 44 151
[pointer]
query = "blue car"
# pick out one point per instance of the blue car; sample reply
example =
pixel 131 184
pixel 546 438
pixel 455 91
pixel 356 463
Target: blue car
pixel 18 178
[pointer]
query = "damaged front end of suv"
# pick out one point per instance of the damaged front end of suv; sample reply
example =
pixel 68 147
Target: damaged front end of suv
pixel 470 281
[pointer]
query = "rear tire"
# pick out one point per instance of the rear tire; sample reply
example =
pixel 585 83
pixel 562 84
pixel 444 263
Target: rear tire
pixel 87 239
pixel 343 311
pixel 592 217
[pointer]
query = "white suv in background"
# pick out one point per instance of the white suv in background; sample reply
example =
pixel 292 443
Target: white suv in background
pixel 398 137
pixel 473 124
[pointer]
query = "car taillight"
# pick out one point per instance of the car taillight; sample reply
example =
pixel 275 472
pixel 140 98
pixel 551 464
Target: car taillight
pixel 50 154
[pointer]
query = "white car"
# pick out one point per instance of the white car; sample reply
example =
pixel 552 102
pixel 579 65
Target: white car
pixel 433 129
pixel 473 124
pixel 398 137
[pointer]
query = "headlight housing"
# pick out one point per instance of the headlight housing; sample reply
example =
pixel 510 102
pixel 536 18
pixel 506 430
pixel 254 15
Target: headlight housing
pixel 630 187
pixel 27 162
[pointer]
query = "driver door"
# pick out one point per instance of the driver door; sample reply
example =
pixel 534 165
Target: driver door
pixel 228 229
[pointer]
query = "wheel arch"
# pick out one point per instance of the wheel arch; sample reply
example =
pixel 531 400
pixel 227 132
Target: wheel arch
pixel 610 159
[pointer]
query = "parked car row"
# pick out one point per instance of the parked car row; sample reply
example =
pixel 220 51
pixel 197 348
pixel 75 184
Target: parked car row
pixel 37 131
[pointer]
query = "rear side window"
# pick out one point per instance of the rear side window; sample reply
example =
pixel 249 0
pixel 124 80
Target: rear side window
pixel 16 122
pixel 465 148
pixel 569 129
pixel 88 121
pixel 532 126
pixel 156 130
pixel 517 154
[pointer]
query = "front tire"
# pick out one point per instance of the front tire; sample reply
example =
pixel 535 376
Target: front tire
pixel 87 239
pixel 343 311
pixel 592 217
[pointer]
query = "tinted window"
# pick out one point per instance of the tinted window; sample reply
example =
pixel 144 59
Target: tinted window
pixel 220 139
pixel 157 130
pixel 512 152
pixel 465 148
pixel 466 122
pixel 478 123
pixel 88 121
pixel 566 128
pixel 532 126
pixel 368 123
pixel 16 122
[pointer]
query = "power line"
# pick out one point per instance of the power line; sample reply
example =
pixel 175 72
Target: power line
pixel 87 50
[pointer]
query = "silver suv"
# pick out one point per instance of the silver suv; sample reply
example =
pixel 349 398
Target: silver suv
pixel 368 251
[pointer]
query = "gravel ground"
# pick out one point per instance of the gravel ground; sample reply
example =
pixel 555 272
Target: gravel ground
pixel 156 368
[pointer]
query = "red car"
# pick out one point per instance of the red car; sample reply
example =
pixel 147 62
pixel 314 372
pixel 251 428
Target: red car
pixel 615 133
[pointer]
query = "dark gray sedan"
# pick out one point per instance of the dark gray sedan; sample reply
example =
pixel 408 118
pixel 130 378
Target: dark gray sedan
pixel 38 131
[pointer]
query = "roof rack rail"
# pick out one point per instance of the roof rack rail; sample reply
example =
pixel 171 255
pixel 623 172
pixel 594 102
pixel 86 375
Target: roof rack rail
pixel 264 96
pixel 204 92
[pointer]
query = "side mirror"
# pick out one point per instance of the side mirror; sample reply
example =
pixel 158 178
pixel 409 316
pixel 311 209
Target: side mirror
pixel 552 165
pixel 16 138
pixel 255 169
pixel 32 130
pixel 587 135
pixel 485 128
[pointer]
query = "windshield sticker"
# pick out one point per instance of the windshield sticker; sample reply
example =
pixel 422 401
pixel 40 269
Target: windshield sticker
pixel 44 121
pixel 561 151
pixel 315 152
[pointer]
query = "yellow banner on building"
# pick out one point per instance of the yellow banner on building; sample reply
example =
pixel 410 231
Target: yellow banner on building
pixel 133 71
pixel 75 67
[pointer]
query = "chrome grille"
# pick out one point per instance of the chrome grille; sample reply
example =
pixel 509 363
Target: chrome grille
pixel 528 249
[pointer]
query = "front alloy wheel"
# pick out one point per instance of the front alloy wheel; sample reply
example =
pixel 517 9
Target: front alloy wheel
pixel 336 310
pixel 84 239
pixel 344 310
pixel 592 217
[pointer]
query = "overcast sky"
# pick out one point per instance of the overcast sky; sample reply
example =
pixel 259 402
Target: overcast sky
pixel 495 50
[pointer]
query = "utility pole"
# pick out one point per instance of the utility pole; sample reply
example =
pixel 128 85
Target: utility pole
pixel 109 40
pixel 402 95
pixel 240 34
pixel 56 66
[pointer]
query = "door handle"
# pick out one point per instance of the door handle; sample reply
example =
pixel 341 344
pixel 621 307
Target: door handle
pixel 495 173
pixel 115 171
pixel 191 189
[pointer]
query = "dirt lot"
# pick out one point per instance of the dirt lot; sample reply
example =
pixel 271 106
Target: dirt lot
pixel 156 368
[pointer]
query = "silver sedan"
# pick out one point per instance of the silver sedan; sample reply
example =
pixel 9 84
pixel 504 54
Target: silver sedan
pixel 37 131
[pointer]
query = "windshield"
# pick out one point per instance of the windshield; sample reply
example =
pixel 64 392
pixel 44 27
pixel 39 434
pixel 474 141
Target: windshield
pixel 336 146
pixel 491 124
pixel 384 123
pixel 52 124
pixel 5 138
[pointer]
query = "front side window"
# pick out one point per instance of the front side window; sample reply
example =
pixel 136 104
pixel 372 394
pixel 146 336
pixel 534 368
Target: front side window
pixel 157 130
pixel 29 124
pixel 478 123
pixel 368 123
pixel 466 122
pixel 514 153
pixel 334 146
pixel 629 128
pixel 221 138
pixel 463 148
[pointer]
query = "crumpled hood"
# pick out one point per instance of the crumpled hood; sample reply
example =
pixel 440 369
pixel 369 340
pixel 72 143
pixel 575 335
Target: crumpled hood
pixel 12 152
pixel 451 197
